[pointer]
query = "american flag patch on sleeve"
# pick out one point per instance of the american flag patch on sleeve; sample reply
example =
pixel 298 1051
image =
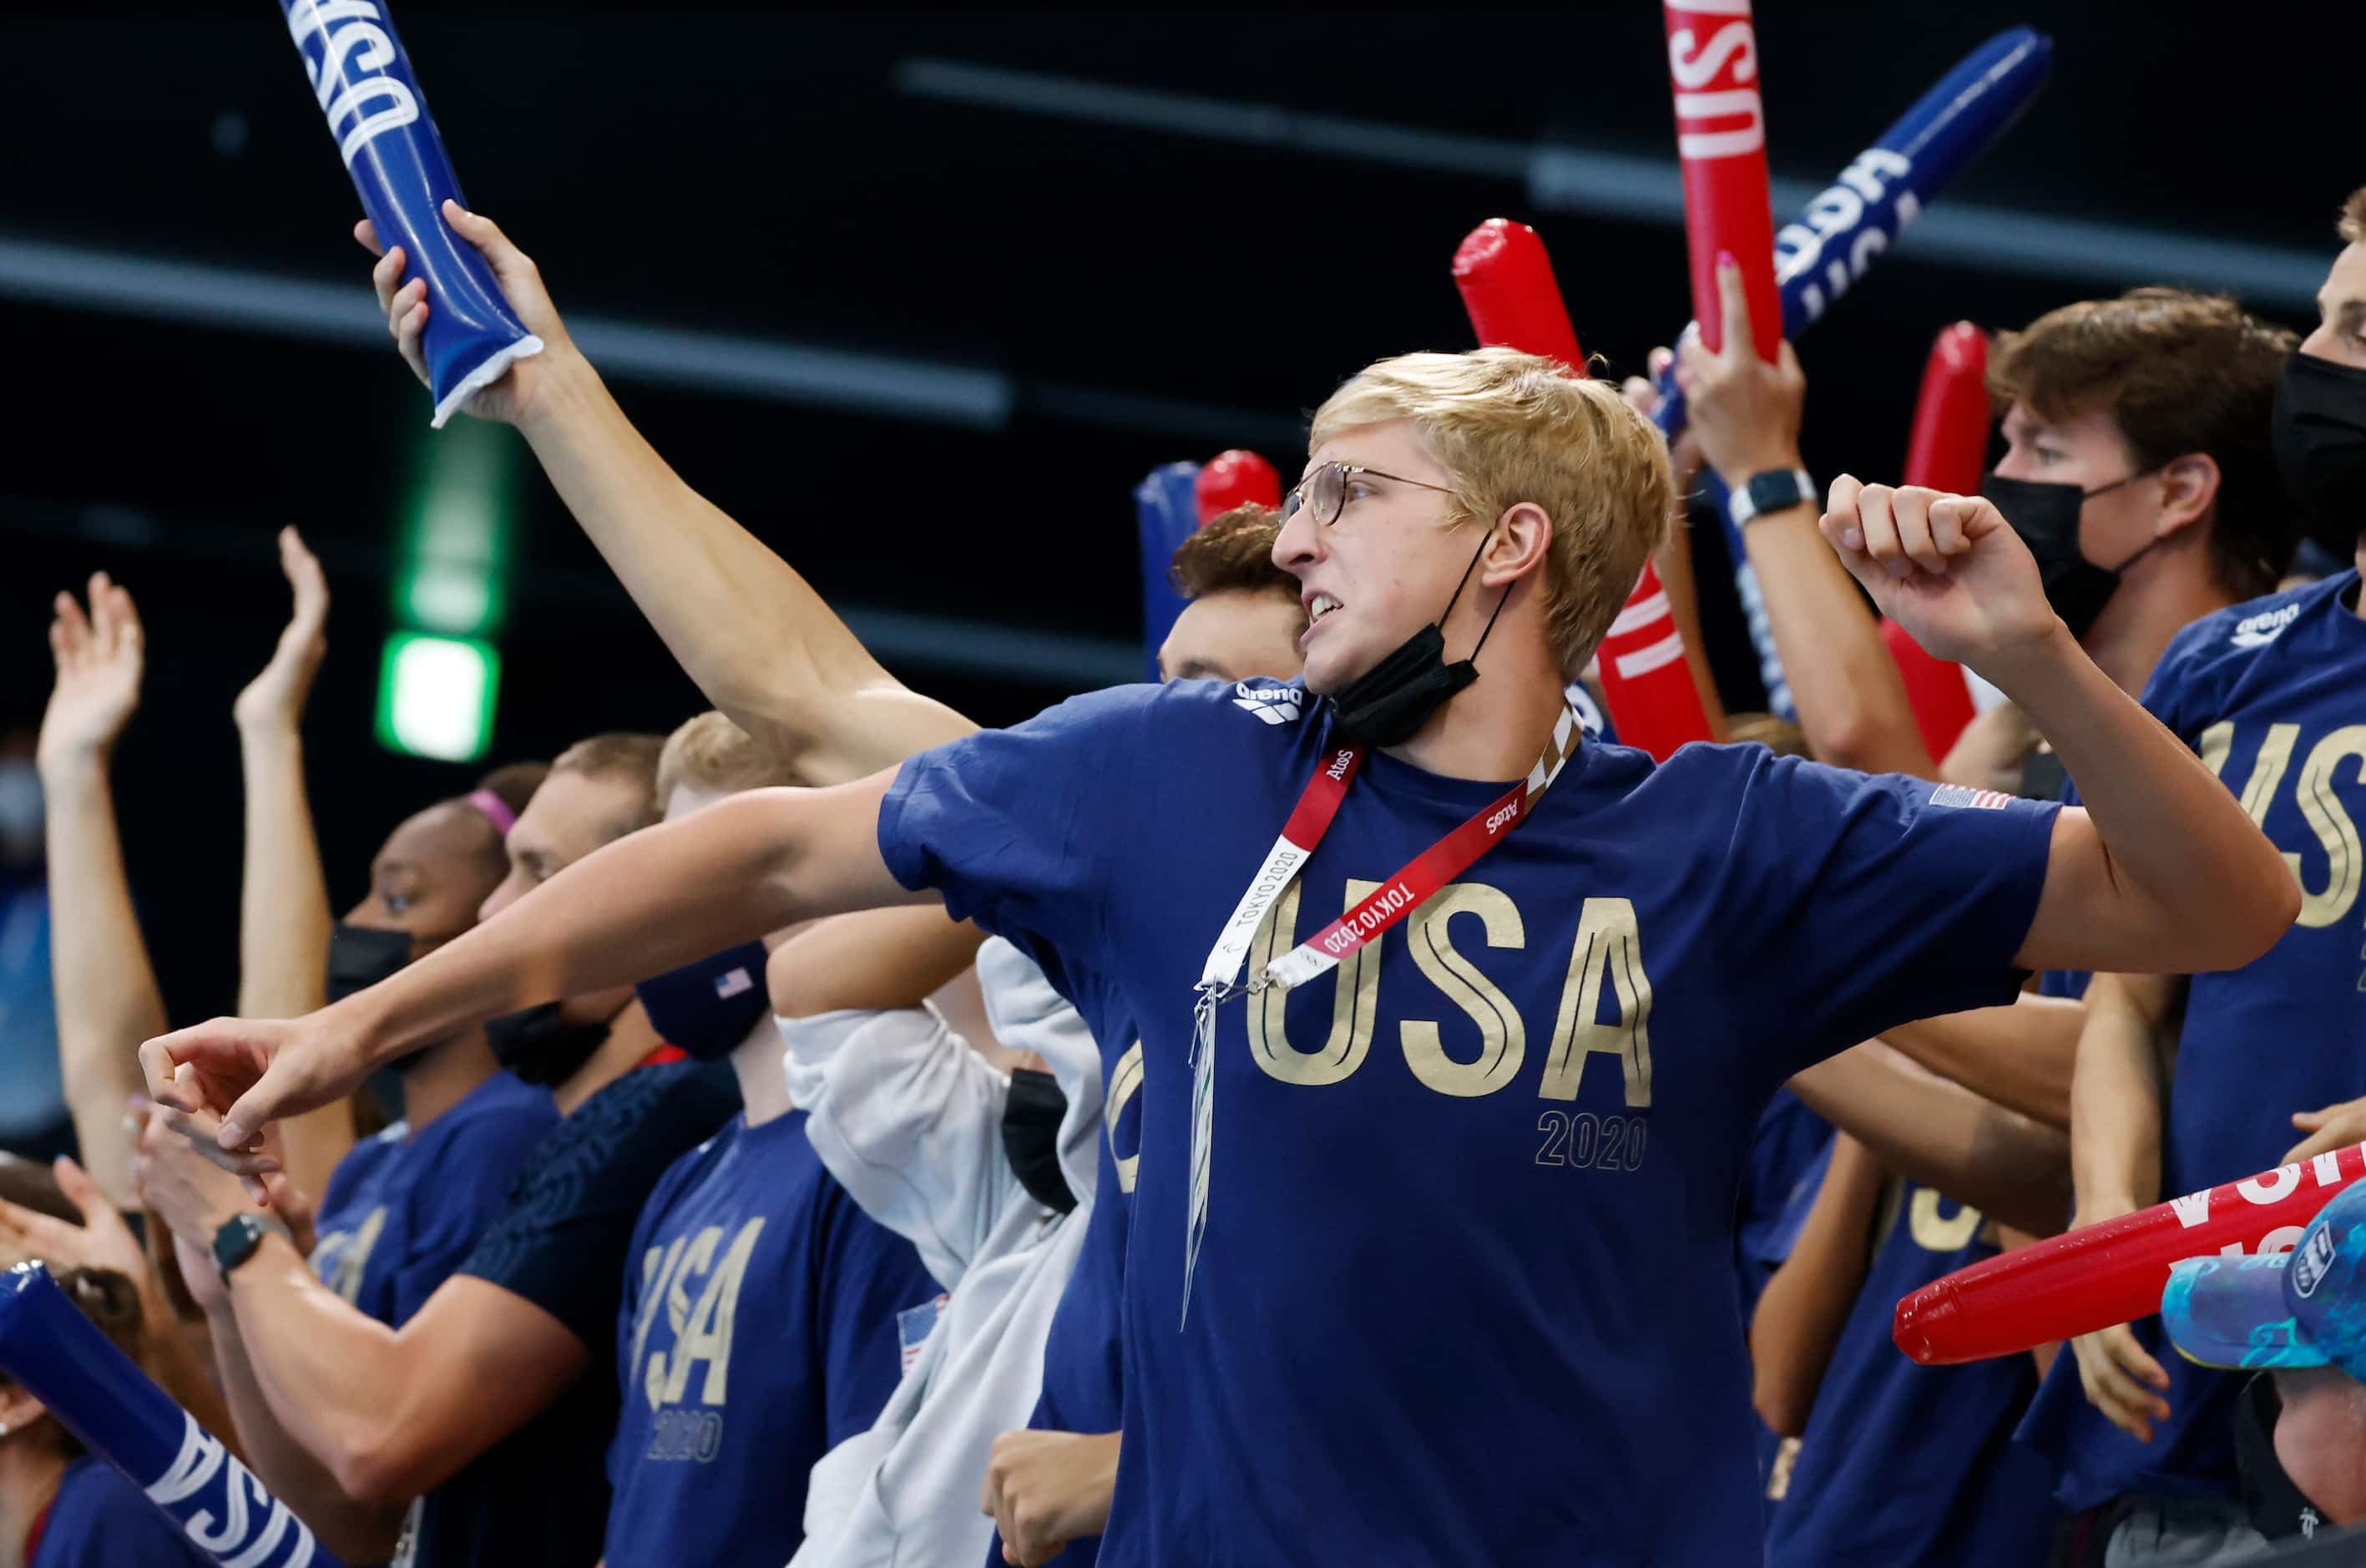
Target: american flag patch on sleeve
pixel 1978 799
pixel 912 1326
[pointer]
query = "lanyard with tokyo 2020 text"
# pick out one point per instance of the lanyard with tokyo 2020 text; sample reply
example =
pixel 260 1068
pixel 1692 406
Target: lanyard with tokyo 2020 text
pixel 1432 868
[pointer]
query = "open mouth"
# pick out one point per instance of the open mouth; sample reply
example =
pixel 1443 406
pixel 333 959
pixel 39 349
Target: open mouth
pixel 1321 606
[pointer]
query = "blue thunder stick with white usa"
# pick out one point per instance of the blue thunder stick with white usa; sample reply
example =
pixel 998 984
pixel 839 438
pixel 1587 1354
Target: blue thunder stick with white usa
pixel 366 88
pixel 1833 242
pixel 1167 507
pixel 66 1361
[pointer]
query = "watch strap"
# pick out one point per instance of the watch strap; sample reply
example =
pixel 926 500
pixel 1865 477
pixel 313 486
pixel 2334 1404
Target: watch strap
pixel 1772 489
pixel 242 1235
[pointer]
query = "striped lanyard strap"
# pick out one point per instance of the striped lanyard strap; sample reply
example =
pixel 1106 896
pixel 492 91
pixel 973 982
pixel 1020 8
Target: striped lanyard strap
pixel 1399 895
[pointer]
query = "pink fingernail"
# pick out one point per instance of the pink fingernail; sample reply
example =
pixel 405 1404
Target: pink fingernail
pixel 1725 261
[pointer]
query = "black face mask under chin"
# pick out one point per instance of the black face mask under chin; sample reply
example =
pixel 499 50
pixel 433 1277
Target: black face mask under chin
pixel 1387 705
pixel 1030 1138
pixel 540 1046
pixel 2046 516
pixel 2320 440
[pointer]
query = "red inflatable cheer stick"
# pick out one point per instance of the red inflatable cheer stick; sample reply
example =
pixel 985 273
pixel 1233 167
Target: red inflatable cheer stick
pixel 1506 282
pixel 1721 137
pixel 2099 1275
pixel 1948 453
pixel 1234 478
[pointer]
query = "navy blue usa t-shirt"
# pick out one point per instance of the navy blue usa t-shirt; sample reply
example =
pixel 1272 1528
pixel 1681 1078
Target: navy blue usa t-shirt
pixel 1902 1464
pixel 1467 1290
pixel 99 1519
pixel 405 1209
pixel 2268 695
pixel 759 1331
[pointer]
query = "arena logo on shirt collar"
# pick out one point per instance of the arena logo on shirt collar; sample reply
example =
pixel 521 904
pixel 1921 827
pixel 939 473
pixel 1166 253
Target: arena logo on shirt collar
pixel 1272 705
pixel 2258 631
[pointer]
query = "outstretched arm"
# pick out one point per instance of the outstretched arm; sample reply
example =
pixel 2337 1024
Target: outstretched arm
pixel 107 1000
pixel 2022 1055
pixel 1746 415
pixel 646 903
pixel 283 910
pixel 758 641
pixel 1942 1135
pixel 870 962
pixel 2163 870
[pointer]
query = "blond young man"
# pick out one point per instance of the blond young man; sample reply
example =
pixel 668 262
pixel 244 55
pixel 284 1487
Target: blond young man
pixel 1408 1282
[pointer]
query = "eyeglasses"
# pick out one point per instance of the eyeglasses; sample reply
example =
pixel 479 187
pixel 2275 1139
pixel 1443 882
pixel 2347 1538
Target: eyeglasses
pixel 1323 492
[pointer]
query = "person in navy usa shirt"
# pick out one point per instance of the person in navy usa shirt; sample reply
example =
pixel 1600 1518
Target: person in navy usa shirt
pixel 2266 696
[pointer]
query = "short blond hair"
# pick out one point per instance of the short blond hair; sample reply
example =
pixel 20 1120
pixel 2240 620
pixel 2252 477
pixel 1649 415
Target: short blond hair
pixel 2352 226
pixel 712 753
pixel 1511 427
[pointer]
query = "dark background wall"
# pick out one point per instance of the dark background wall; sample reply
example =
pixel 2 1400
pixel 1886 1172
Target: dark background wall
pixel 1159 234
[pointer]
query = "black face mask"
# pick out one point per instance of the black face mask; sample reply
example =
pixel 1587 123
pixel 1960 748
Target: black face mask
pixel 2046 515
pixel 707 1008
pixel 1389 702
pixel 360 957
pixel 2320 435
pixel 540 1048
pixel 1030 1138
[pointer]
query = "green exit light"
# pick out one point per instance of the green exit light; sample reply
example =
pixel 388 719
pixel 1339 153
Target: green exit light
pixel 436 696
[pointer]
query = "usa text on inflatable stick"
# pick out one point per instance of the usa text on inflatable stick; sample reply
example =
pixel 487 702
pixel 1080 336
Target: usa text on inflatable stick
pixel 1508 286
pixel 2099 1275
pixel 1721 141
pixel 1833 242
pixel 1948 451
pixel 63 1360
pixel 1167 507
pixel 1233 477
pixel 366 88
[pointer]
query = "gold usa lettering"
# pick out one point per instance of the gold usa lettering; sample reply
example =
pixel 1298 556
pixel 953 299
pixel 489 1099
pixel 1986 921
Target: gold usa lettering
pixel 2316 793
pixel 1606 963
pixel 701 1324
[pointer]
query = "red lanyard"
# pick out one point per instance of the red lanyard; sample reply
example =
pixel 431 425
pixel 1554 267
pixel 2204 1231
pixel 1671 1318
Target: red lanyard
pixel 1399 895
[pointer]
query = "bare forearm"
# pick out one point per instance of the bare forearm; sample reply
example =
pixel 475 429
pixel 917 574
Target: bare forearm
pixel 749 630
pixel 357 1532
pixel 2021 1056
pixel 1851 698
pixel 107 1000
pixel 872 961
pixel 2192 882
pixel 283 928
pixel 647 903
pixel 1944 1136
pixel 1805 1305
pixel 2116 1098
pixel 283 913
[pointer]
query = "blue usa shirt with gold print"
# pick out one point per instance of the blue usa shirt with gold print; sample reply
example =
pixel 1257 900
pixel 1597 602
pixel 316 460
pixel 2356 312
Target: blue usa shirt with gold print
pixel 2272 696
pixel 1467 1290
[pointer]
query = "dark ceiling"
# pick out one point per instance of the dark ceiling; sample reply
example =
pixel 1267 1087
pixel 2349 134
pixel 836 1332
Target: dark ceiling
pixel 1162 235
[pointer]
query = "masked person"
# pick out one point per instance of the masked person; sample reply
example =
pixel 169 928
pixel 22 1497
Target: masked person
pixel 1337 1140
pixel 2185 1084
pixel 486 1395
pixel 765 1314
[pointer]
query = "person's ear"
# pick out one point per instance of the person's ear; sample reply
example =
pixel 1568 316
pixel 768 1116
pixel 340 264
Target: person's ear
pixel 18 1409
pixel 2188 490
pixel 1522 538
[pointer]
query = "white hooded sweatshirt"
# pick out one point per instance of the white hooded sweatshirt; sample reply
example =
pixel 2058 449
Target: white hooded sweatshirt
pixel 909 1117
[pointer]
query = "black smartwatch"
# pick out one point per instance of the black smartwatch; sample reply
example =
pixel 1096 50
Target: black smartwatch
pixel 240 1236
pixel 1773 490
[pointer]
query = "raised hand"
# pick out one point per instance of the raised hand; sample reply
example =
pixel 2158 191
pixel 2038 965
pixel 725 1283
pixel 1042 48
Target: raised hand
pixel 250 1072
pixel 1947 568
pixel 507 401
pixel 274 698
pixel 1744 412
pixel 99 658
pixel 102 1241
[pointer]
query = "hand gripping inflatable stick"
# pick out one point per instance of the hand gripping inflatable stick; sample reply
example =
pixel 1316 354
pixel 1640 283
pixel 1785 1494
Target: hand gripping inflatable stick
pixel 1948 452
pixel 1508 286
pixel 2099 1275
pixel 63 1360
pixel 375 111
pixel 1833 243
